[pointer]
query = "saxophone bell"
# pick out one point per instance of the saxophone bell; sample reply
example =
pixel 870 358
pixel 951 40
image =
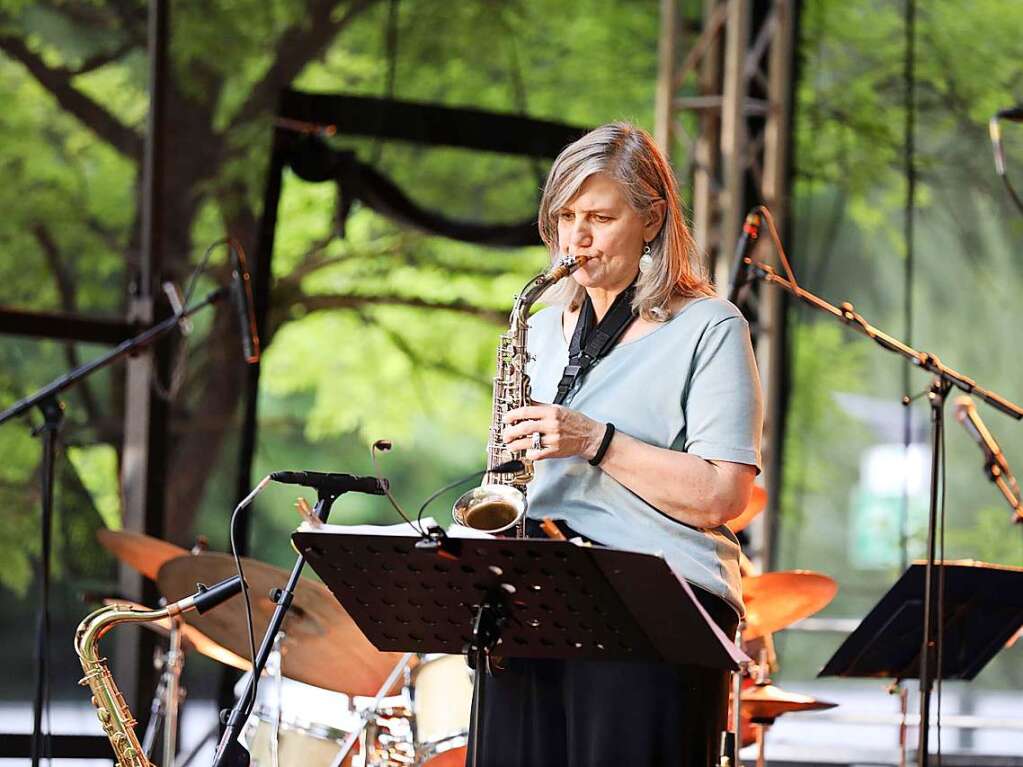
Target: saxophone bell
pixel 492 508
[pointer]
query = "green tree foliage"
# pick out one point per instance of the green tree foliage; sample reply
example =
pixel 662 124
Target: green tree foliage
pixel 384 332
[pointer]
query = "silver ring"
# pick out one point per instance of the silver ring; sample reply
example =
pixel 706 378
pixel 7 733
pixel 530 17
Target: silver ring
pixel 537 443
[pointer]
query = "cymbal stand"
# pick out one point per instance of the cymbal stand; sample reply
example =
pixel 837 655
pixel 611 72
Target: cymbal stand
pixel 896 688
pixel 370 711
pixel 737 676
pixel 167 698
pixel 273 670
pixel 760 729
pixel 760 673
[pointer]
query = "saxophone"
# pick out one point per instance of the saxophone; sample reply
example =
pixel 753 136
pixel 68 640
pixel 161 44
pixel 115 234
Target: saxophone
pixel 500 501
pixel 114 715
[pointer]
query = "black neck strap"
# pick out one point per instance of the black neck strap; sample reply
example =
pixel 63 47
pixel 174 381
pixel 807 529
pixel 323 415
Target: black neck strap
pixel 592 340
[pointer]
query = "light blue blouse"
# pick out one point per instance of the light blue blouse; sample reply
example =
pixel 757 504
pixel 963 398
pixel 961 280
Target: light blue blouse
pixel 689 385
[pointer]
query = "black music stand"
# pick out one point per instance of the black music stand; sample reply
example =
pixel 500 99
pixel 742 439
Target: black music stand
pixel 520 598
pixel 983 608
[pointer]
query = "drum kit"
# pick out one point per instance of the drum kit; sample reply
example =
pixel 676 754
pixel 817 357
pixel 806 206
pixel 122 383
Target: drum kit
pixel 329 698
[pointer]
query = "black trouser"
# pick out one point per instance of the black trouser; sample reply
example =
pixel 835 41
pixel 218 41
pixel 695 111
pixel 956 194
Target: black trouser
pixel 540 713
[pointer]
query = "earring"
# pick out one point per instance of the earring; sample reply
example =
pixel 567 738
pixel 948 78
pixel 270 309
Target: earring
pixel 646 261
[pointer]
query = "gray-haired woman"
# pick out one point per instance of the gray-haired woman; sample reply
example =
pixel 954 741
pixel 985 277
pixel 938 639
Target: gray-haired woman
pixel 653 448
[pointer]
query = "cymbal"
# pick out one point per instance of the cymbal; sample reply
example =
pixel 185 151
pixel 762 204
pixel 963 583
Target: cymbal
pixel 757 503
pixel 322 646
pixel 776 600
pixel 191 638
pixel 769 702
pixel 141 552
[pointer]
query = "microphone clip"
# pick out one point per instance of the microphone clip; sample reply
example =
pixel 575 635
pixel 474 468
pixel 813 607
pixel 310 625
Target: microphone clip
pixel 436 540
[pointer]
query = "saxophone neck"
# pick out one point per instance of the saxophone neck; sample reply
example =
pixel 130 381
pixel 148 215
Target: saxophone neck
pixel 536 286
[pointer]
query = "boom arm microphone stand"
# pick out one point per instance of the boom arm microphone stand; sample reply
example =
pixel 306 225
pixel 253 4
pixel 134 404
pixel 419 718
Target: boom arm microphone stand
pixel 333 486
pixel 52 409
pixel 944 378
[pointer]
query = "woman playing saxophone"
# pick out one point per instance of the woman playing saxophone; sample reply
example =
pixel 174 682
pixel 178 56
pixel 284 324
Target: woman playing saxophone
pixel 652 447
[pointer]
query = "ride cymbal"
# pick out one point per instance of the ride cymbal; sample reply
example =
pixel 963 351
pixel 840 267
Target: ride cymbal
pixel 141 552
pixel 322 644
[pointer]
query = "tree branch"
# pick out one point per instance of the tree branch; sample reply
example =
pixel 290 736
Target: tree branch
pixel 58 82
pixel 418 360
pixel 99 60
pixel 318 303
pixel 297 46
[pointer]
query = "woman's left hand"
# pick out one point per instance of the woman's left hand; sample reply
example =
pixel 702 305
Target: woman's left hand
pixel 563 432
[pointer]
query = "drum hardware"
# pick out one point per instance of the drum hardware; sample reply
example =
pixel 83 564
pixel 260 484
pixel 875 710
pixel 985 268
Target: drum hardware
pixel 729 751
pixel 293 724
pixel 764 703
pixel 896 688
pixel 273 670
pixel 370 712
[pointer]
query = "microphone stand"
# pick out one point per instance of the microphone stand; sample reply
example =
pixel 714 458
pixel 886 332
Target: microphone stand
pixel 52 409
pixel 944 378
pixel 229 750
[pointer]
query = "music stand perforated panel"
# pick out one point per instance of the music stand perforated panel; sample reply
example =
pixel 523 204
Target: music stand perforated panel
pixel 562 600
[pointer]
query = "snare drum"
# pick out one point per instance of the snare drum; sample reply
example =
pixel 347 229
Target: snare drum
pixel 313 724
pixel 441 703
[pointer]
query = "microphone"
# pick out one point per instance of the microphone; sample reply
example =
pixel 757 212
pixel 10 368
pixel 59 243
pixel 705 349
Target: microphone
pixel 740 269
pixel 332 484
pixel 206 598
pixel 241 298
pixel 994 459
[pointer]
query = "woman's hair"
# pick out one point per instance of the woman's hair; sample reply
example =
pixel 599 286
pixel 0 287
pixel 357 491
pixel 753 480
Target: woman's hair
pixel 627 155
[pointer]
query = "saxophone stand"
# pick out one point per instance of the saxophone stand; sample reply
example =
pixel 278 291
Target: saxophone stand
pixel 52 409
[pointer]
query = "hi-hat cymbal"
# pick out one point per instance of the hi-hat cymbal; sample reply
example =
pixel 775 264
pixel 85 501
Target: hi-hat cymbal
pixel 191 638
pixel 776 600
pixel 322 646
pixel 767 702
pixel 142 552
pixel 757 503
